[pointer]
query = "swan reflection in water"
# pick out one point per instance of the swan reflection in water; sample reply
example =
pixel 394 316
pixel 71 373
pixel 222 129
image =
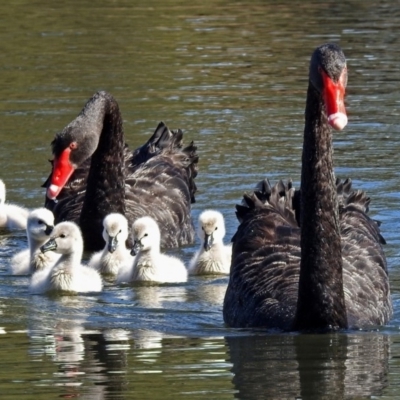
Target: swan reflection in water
pixel 150 296
pixel 334 366
pixel 80 356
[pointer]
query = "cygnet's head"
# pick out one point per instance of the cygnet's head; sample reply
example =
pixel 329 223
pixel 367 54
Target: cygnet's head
pixel 2 192
pixel 115 231
pixel 66 238
pixel 145 235
pixel 211 228
pixel 40 223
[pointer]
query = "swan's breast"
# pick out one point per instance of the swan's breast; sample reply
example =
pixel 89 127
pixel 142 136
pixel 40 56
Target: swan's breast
pixel 144 270
pixel 61 280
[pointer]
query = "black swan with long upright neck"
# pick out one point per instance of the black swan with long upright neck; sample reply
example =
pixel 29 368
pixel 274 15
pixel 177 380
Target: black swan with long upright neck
pixel 311 259
pixel 94 174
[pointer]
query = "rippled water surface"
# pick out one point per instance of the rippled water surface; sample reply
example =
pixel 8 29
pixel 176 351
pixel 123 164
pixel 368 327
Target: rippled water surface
pixel 233 76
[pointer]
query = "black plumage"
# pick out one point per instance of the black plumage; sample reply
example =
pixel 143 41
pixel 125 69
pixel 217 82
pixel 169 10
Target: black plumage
pixel 156 179
pixel 309 259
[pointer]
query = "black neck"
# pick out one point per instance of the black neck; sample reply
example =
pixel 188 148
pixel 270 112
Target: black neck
pixel 105 191
pixel 321 303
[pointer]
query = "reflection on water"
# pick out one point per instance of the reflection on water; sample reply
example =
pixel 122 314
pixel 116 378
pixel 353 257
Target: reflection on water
pixel 232 75
pixel 310 366
pixel 332 366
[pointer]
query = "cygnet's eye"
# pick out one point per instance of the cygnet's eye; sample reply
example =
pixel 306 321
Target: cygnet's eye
pixel 63 236
pixel 216 227
pixel 145 235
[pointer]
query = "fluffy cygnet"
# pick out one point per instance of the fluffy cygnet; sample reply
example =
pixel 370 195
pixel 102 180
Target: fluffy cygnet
pixel 115 255
pixel 150 264
pixel 11 215
pixel 68 274
pixel 40 226
pixel 213 257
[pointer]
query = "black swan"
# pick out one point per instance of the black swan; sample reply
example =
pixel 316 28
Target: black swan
pixel 94 174
pixel 310 260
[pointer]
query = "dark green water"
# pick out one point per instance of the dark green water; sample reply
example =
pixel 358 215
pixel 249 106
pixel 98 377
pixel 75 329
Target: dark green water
pixel 233 76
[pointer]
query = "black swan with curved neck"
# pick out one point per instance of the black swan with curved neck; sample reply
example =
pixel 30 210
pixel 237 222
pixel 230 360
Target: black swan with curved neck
pixel 310 259
pixel 94 173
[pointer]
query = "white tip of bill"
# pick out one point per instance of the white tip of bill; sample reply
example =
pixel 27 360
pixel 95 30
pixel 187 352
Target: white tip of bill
pixel 53 191
pixel 337 121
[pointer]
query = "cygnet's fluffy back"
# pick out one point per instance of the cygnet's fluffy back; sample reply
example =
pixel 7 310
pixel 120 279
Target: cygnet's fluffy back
pixel 213 257
pixel 115 255
pixel 39 227
pixel 68 274
pixel 150 264
pixel 11 215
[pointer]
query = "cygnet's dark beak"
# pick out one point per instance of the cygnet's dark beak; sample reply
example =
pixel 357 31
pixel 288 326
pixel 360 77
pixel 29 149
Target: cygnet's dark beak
pixel 49 245
pixel 112 244
pixel 137 245
pixel 208 241
pixel 49 229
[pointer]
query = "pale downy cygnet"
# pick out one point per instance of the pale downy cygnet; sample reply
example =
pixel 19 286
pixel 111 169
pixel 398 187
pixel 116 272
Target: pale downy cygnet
pixel 40 226
pixel 213 257
pixel 115 255
pixel 68 274
pixel 150 265
pixel 11 216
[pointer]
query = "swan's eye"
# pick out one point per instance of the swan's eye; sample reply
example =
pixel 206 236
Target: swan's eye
pixel 145 235
pixel 216 227
pixel 40 222
pixel 73 145
pixel 63 236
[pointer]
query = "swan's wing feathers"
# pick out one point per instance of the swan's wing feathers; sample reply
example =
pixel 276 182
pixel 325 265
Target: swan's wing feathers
pixel 346 195
pixel 160 137
pixel 168 143
pixel 160 189
pixel 365 274
pixel 187 160
pixel 357 226
pixel 162 140
pixel 347 186
pixel 250 203
pixel 263 190
pixel 354 208
pixel 359 199
pixel 366 286
pixel 266 249
pixel 263 283
pixel 280 197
